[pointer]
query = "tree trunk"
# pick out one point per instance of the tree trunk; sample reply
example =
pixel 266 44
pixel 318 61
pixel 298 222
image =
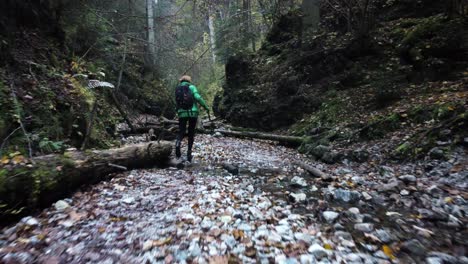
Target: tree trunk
pixel 52 177
pixel 287 140
pixel 212 34
pixel 151 35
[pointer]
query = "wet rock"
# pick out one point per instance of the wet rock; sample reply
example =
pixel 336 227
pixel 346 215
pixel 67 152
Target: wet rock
pixel 49 260
pixel 298 197
pixel 344 235
pixel 434 260
pixel 354 210
pixel 384 236
pixel 338 226
pixel 330 216
pixel 297 181
pixel 17 258
pixel 366 196
pixel 346 195
pixel 431 215
pixel 392 186
pixel 364 227
pixel 318 251
pixel 359 155
pixel 404 192
pixel 437 153
pixel 319 151
pixel 414 247
pixel 446 258
pixel 434 190
pixel 129 200
pixel 454 222
pixel 386 171
pixel 61 205
pixel 408 178
pixel 231 168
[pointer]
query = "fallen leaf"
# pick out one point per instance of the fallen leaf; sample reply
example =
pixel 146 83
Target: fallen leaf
pixel 162 242
pixel 5 160
pixel 238 234
pixel 328 246
pixel 388 252
pixel 18 159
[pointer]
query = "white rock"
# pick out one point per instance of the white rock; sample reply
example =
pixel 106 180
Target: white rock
pixel 330 216
pixel 364 227
pixel 318 251
pixel 147 245
pixel 128 200
pixel 61 205
pixel 298 197
pixel 354 210
pixel 225 219
pixel 366 196
pixel 31 221
pixel 298 181
pixel 307 259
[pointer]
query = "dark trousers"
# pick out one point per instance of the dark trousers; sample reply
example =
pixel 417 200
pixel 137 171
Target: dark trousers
pixel 192 122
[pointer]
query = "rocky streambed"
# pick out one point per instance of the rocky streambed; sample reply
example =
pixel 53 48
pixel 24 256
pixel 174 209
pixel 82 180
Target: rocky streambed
pixel 245 201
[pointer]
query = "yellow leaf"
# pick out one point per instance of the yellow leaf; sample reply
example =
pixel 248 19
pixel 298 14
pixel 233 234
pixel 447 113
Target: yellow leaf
pixel 18 159
pixel 388 252
pixel 5 160
pixel 448 199
pixel 450 108
pixel 162 242
pixel 327 246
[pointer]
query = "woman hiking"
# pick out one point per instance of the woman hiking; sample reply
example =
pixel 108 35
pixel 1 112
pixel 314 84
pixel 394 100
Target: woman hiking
pixel 187 97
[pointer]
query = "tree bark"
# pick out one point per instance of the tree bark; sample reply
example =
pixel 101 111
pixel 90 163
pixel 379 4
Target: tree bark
pixel 151 35
pixel 212 33
pixel 313 171
pixel 52 177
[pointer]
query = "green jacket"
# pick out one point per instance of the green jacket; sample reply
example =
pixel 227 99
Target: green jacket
pixel 198 99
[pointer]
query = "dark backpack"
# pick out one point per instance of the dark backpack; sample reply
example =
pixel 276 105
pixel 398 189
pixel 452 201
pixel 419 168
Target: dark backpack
pixel 184 97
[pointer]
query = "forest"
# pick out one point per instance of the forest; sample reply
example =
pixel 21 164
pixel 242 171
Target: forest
pixel 234 131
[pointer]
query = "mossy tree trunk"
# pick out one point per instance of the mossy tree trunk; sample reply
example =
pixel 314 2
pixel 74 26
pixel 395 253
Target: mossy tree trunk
pixel 51 177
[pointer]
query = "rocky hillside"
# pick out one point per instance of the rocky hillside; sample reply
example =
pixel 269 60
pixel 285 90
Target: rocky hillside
pixel 407 74
pixel 47 58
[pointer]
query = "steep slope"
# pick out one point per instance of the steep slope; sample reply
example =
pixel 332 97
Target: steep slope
pixel 408 74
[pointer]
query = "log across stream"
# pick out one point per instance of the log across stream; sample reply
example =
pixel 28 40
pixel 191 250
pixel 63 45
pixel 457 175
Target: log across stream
pixel 47 178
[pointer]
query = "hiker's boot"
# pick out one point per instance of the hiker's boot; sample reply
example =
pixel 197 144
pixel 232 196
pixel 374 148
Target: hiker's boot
pixel 177 149
pixel 189 151
pixel 189 156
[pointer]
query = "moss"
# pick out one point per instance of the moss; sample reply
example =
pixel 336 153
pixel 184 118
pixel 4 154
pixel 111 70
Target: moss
pixel 381 126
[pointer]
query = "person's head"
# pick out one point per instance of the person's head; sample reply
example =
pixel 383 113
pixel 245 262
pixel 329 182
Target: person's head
pixel 185 78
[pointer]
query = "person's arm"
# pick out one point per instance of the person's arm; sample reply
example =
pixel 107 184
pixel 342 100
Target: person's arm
pixel 198 97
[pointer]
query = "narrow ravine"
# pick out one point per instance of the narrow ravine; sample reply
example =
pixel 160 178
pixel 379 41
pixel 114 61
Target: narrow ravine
pixel 272 211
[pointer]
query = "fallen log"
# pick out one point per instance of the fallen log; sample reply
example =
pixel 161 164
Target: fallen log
pixel 45 179
pixel 313 171
pixel 287 140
